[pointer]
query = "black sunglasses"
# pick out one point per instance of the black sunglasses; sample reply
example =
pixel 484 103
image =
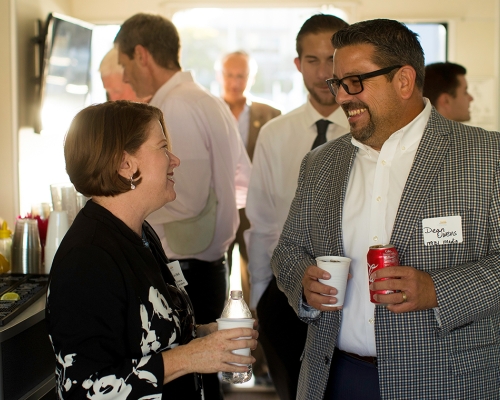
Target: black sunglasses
pixel 353 84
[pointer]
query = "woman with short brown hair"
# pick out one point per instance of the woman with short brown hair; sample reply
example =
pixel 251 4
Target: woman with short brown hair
pixel 121 325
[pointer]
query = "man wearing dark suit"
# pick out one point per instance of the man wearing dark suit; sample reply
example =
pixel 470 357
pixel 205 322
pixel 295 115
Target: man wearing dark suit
pixel 430 186
pixel 237 72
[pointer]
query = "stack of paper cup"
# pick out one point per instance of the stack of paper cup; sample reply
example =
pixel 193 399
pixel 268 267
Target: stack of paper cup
pixel 338 268
pixel 58 226
pixel 64 199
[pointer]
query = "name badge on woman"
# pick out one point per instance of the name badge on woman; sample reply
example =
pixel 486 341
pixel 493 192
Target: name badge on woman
pixel 175 269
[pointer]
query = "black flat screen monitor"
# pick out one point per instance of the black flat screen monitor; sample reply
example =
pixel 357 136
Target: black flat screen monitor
pixel 65 70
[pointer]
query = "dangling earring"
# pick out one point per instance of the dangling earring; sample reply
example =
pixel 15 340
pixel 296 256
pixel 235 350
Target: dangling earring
pixel 132 186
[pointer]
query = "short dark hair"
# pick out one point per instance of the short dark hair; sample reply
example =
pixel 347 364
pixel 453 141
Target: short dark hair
pixel 442 78
pixel 394 44
pixel 318 23
pixel 155 33
pixel 96 140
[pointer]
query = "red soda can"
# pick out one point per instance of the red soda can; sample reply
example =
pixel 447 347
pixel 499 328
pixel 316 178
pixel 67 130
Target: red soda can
pixel 381 256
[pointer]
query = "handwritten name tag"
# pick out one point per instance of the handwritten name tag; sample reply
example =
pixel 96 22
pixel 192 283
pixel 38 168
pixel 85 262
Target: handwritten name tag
pixel 175 269
pixel 443 230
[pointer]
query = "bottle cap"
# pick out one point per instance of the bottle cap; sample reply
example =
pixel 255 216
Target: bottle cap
pixel 4 231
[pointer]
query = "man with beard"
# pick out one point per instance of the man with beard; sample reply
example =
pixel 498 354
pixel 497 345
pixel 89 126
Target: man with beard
pixel 281 145
pixel 430 187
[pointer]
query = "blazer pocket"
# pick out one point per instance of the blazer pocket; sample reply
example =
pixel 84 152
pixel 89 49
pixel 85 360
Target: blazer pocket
pixel 470 360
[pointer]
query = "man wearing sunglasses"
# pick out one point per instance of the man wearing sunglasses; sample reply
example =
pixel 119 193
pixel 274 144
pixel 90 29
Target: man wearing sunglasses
pixel 430 186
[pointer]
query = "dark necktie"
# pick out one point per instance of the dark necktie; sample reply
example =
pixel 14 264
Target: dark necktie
pixel 322 126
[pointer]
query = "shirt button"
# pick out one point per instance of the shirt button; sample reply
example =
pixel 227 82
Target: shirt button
pixel 383 162
pixel 379 198
pixel 375 238
pixel 371 321
pixel 403 148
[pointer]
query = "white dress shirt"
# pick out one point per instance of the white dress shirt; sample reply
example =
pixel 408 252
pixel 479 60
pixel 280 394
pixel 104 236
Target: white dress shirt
pixel 282 144
pixel 205 137
pixel 376 183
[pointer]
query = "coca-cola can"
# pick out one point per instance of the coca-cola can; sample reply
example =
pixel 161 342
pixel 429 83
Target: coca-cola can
pixel 381 256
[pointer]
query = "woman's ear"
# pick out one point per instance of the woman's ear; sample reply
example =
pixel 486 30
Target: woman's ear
pixel 128 166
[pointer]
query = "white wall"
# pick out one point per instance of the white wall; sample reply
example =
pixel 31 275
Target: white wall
pixel 33 163
pixel 8 123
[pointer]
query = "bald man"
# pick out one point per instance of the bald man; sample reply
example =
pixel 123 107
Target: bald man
pixel 112 79
pixel 236 74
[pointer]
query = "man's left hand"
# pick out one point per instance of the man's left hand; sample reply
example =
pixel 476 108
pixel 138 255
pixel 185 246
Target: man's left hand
pixel 416 289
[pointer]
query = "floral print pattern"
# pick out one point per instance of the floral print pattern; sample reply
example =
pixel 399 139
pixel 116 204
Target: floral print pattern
pixel 110 386
pixel 112 308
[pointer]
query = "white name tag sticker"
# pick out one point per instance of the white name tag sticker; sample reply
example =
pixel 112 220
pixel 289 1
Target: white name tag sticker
pixel 442 230
pixel 175 269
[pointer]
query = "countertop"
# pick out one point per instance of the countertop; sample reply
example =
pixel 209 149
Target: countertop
pixel 29 317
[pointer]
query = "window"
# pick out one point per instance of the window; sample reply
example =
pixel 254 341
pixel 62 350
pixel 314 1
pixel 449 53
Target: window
pixel 268 35
pixel 434 40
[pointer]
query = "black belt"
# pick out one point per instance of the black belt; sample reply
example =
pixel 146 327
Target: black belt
pixel 187 263
pixel 368 359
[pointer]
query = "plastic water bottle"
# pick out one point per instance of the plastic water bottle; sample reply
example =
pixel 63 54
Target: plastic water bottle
pixel 236 308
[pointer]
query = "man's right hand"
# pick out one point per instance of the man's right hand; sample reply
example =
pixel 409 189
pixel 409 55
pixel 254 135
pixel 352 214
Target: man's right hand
pixel 315 293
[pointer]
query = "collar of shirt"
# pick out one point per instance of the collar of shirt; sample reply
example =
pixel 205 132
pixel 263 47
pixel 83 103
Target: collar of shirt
pixel 176 79
pixel 312 115
pixel 376 183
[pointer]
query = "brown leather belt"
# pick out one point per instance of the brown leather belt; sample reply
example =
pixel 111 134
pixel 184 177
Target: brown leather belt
pixel 371 360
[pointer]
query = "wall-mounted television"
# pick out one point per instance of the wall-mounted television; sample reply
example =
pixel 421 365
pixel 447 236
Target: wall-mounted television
pixel 64 84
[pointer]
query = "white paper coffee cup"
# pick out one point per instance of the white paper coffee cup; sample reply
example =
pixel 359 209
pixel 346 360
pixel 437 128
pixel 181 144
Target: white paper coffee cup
pixel 338 268
pixel 230 323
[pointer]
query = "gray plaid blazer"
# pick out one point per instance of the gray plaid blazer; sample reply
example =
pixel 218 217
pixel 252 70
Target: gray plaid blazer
pixel 455 172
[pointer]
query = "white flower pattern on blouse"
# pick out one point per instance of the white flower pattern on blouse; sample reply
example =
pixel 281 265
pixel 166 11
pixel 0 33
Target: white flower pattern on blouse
pixel 107 387
pixel 111 387
pixel 160 307
pixel 63 383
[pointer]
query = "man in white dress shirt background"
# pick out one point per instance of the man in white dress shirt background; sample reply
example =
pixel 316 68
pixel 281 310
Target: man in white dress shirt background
pixel 212 180
pixel 281 145
pixel 446 87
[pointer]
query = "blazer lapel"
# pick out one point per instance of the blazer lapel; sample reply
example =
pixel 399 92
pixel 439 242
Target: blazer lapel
pixel 430 154
pixel 253 131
